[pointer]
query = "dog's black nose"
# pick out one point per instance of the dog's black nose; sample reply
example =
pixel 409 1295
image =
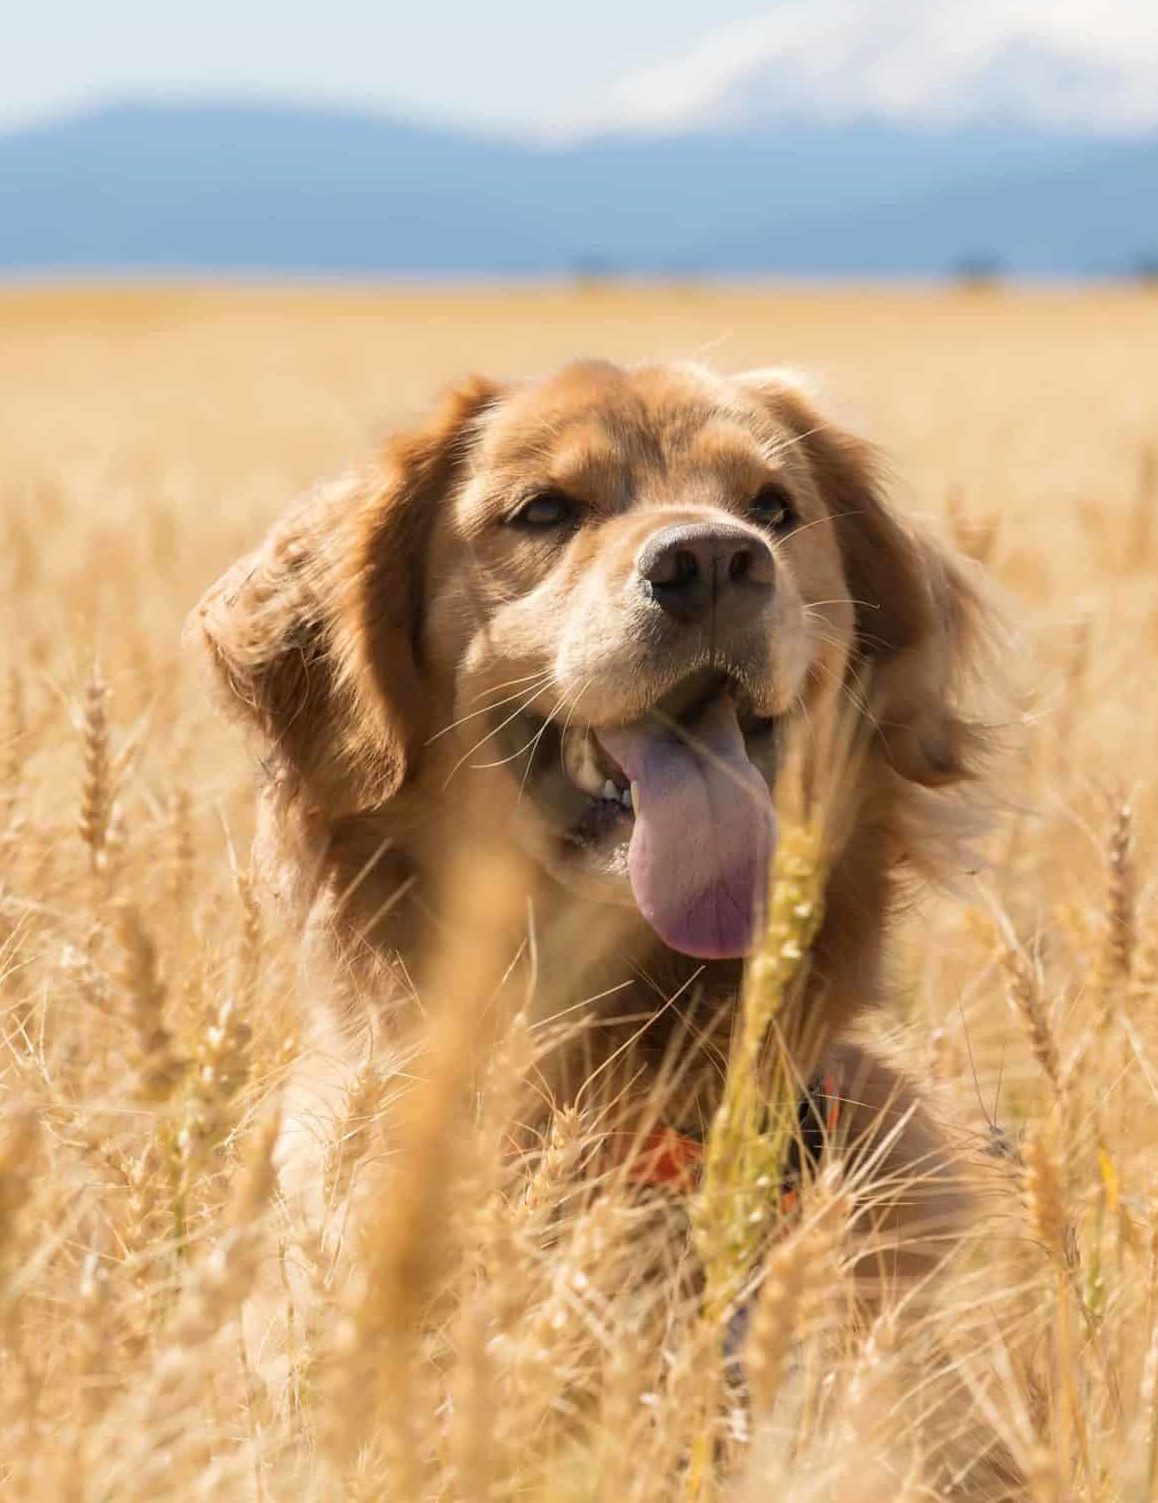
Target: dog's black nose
pixel 691 569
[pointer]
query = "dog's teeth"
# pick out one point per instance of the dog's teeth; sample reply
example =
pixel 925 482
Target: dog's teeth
pixel 626 800
pixel 610 791
pixel 580 761
pixel 631 798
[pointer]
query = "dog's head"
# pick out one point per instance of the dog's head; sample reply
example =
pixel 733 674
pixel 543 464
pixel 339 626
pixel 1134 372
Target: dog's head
pixel 618 586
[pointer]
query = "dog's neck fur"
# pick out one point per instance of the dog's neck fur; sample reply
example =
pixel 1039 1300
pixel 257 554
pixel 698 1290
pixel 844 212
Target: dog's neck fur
pixel 656 1006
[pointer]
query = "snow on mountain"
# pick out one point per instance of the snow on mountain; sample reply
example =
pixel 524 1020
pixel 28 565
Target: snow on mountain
pixel 1053 64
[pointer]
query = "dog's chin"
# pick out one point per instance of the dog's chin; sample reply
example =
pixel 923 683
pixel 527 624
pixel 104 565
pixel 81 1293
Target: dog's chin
pixel 595 870
pixel 576 815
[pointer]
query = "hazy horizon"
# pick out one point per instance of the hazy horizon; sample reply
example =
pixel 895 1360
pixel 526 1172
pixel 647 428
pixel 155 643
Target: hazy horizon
pixel 517 69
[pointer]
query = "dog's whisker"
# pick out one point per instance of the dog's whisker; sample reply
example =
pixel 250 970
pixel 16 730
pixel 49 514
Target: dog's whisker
pixel 541 680
pixel 494 731
pixel 537 740
pixel 527 746
pixel 784 444
pixel 508 683
pixel 844 686
pixel 811 605
pixel 575 699
pixel 802 527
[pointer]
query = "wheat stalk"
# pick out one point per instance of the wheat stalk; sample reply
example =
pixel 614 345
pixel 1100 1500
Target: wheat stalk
pixel 1121 883
pixel 19 1142
pixel 780 1311
pixel 161 1069
pixel 220 1069
pixel 1023 987
pixel 750 1132
pixel 15 723
pixel 181 850
pixel 1049 1216
pixel 96 799
pixel 737 1200
pixel 1046 1202
pixel 249 950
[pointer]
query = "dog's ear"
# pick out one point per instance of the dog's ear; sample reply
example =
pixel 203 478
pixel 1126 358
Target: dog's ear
pixel 919 611
pixel 316 635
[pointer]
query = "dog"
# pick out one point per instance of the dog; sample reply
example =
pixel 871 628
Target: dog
pixel 584 616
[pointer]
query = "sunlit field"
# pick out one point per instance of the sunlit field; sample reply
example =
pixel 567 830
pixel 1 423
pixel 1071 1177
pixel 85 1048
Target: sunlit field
pixel 481 1330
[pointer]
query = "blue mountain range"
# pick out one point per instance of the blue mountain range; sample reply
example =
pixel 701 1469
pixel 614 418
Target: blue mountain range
pixel 220 187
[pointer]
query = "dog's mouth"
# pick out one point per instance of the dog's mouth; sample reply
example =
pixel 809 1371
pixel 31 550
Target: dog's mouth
pixel 678 801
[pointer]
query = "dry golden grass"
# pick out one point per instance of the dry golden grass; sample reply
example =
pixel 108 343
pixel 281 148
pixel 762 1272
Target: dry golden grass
pixel 485 1339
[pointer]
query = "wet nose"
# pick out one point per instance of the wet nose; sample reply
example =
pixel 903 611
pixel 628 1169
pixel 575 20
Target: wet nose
pixel 692 569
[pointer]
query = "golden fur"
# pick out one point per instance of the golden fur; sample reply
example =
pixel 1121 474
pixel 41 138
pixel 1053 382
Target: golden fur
pixel 390 623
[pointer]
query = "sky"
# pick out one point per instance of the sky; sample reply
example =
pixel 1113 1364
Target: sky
pixel 546 69
pixel 527 63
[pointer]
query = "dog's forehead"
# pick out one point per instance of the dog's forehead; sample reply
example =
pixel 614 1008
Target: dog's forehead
pixel 635 415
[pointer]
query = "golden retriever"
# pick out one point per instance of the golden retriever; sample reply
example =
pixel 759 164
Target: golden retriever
pixel 583 614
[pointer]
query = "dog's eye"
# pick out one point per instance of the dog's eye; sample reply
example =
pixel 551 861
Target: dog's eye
pixel 545 511
pixel 772 507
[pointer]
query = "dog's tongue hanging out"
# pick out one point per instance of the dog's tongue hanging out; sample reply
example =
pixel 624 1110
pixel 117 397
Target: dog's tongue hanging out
pixel 704 831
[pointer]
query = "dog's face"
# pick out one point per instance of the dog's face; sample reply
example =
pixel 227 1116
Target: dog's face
pixel 619 586
pixel 640 575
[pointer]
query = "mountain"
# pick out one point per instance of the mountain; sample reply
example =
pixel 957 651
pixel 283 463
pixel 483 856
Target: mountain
pixel 1053 64
pixel 221 187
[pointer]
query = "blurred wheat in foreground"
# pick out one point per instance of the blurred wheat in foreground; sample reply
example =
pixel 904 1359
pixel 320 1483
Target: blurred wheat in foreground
pixel 499 1325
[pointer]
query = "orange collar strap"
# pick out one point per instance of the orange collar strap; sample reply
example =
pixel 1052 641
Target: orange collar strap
pixel 667 1159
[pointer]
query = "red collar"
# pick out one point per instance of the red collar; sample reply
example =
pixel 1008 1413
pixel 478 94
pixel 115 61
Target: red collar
pixel 667 1159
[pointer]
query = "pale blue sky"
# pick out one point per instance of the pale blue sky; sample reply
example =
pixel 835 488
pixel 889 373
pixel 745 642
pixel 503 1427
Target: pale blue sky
pixel 519 62
pixel 541 67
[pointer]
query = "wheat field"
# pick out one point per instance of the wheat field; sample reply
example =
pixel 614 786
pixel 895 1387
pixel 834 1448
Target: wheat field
pixel 150 1015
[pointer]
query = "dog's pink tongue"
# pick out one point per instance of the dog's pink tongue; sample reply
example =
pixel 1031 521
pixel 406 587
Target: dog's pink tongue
pixel 704 831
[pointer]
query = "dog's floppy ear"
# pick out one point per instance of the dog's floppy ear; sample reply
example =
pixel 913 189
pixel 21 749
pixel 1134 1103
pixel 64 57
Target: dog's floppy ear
pixel 316 635
pixel 919 614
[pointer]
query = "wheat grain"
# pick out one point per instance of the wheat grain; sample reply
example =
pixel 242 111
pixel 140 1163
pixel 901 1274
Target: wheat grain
pixel 249 949
pixel 1120 889
pixel 181 850
pixel 15 735
pixel 1045 1200
pixel 779 1311
pixel 96 797
pixel 160 1068
pixel 1023 984
pixel 18 1147
pixel 220 1068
